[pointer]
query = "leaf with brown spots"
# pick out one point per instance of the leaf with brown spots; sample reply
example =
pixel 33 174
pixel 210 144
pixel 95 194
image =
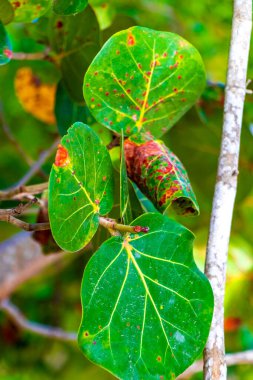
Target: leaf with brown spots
pixel 80 187
pixel 160 175
pixel 29 10
pixel 143 80
pixel 147 308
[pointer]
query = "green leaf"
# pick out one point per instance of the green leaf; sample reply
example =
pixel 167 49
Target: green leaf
pixel 125 206
pixel 29 10
pixel 146 204
pixel 6 12
pixel 66 7
pixel 80 187
pixel 76 40
pixel 143 79
pixel 5 46
pixel 147 309
pixel 160 175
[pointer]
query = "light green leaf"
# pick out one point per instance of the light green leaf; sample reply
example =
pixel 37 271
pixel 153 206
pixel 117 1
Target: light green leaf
pixel 6 12
pixel 146 204
pixel 5 46
pixel 147 308
pixel 29 10
pixel 66 7
pixel 75 39
pixel 125 206
pixel 80 187
pixel 143 79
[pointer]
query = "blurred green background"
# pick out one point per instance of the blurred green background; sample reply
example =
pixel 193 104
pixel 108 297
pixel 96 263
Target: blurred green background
pixel 52 297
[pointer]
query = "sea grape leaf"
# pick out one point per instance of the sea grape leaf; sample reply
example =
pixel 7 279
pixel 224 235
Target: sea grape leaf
pixel 80 187
pixel 160 175
pixel 75 39
pixel 6 12
pixel 147 308
pixel 5 46
pixel 29 10
pixel 125 206
pixel 143 79
pixel 66 7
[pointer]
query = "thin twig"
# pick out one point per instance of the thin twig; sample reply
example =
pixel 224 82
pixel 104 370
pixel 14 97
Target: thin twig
pixel 111 224
pixel 226 185
pixel 23 225
pixel 23 323
pixel 20 56
pixel 21 191
pixel 238 358
pixel 19 209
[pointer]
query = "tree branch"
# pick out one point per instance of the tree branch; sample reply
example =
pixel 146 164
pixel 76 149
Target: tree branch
pixel 37 328
pixel 18 192
pixel 225 189
pixel 238 358
pixel 23 225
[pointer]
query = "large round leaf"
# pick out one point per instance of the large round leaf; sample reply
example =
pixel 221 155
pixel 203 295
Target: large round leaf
pixel 147 308
pixel 80 187
pixel 143 79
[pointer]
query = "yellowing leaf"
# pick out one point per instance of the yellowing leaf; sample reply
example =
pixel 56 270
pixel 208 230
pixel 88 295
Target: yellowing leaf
pixel 37 98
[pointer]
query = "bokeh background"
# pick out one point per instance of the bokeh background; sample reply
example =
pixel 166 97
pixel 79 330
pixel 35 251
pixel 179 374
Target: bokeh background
pixel 32 120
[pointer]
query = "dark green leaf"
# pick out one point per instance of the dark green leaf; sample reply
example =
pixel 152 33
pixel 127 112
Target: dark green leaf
pixel 67 112
pixel 29 10
pixel 147 308
pixel 143 79
pixel 125 206
pixel 6 12
pixel 160 175
pixel 66 7
pixel 80 187
pixel 5 46
pixel 76 40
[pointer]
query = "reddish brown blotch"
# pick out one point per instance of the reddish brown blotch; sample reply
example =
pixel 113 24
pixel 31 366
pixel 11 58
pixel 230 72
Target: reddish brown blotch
pixel 62 157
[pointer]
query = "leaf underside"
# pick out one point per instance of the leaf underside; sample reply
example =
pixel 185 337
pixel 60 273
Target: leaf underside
pixel 147 308
pixel 143 80
pixel 160 175
pixel 80 187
